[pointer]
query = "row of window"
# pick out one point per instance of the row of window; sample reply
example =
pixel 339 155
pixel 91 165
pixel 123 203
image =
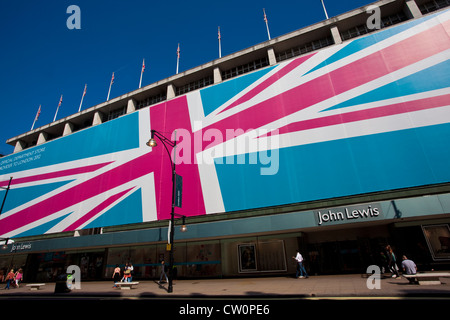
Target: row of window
pixel 116 113
pixel 433 6
pixel 363 29
pixel 113 114
pixel 151 100
pixel 194 85
pixel 305 48
pixel 394 19
pixel 346 35
pixel 248 67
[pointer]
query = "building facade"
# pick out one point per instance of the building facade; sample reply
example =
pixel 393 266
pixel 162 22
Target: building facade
pixel 333 139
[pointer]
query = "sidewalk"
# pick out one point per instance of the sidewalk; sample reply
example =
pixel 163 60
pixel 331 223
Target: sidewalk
pixel 330 286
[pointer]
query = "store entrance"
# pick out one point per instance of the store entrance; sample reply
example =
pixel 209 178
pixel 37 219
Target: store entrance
pixel 336 257
pixel 344 251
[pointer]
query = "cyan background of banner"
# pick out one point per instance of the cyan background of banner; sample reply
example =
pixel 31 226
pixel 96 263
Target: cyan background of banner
pixel 339 168
pixel 112 136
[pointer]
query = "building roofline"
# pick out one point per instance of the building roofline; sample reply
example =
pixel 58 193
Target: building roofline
pixel 212 69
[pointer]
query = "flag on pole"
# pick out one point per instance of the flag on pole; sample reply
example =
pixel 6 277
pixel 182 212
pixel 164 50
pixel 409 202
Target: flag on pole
pixel 82 97
pixel 267 23
pixel 220 38
pixel 110 84
pixel 36 117
pixel 178 57
pixel 142 72
pixel 59 105
pixel 38 113
pixel 324 9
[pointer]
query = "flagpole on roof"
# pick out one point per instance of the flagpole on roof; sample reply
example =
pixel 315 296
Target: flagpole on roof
pixel 110 84
pixel 267 23
pixel 36 117
pixel 324 9
pixel 220 46
pixel 82 97
pixel 178 57
pixel 142 72
pixel 59 104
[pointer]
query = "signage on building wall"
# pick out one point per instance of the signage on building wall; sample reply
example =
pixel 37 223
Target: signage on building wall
pixel 357 213
pixel 16 247
pixel 178 190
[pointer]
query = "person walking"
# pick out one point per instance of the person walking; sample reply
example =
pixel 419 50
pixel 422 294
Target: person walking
pixel 131 268
pixel 116 275
pixel 392 261
pixel 383 262
pixel 9 278
pixel 300 267
pixel 126 273
pixel 18 277
pixel 163 272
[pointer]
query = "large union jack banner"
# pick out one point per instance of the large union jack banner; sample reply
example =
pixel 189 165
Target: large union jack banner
pixel 367 115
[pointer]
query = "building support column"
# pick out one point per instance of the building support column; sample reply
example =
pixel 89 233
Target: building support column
pixel 131 106
pixel 20 145
pixel 271 56
pixel 170 91
pixel 217 75
pixel 42 138
pixel 97 118
pixel 336 35
pixel 412 10
pixel 68 129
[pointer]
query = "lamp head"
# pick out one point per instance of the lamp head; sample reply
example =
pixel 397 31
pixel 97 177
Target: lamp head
pixel 183 227
pixel 151 143
pixel 5 245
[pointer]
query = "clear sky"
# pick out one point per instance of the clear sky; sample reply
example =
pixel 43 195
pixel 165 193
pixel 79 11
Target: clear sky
pixel 41 59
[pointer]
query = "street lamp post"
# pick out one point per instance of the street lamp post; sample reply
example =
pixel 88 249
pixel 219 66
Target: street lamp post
pixel 6 193
pixel 5 245
pixel 165 141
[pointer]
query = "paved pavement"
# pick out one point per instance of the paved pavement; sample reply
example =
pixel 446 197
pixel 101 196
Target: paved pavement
pixel 249 298
pixel 328 286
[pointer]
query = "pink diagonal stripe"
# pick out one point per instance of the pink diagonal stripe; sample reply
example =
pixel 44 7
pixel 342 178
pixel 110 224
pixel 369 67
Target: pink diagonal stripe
pixel 55 174
pixel 79 193
pixel 371 67
pixel 378 112
pixel 271 80
pixel 96 210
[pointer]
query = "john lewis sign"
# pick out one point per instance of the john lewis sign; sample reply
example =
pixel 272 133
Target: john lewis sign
pixel 16 247
pixel 357 213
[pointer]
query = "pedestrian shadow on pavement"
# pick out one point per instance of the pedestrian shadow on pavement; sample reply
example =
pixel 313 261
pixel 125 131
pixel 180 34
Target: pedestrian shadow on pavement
pixel 161 285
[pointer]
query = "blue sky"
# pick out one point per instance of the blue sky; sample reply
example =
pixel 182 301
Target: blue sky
pixel 41 59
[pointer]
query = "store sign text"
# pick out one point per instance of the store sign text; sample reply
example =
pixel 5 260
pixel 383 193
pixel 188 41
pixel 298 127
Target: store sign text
pixel 357 213
pixel 20 247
